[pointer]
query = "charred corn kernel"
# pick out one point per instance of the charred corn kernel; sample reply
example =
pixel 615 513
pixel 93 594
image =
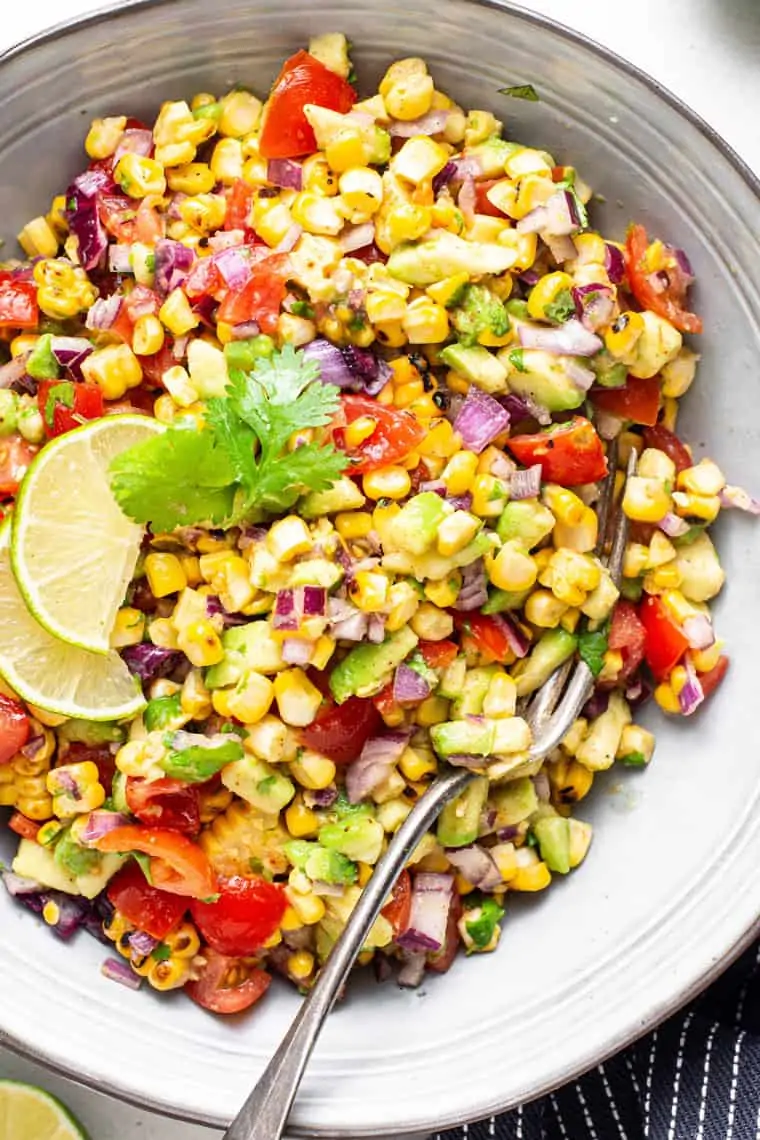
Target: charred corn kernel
pixel 387 483
pixel 512 568
pixel 240 114
pixel 360 430
pixel 176 315
pixel 403 602
pixel 147 335
pixel 444 592
pixel 581 536
pixel 621 337
pixel 432 624
pixel 705 479
pixel 300 820
pixel 406 394
pixel 678 374
pixel 705 507
pixel 636 740
pixel 425 322
pixel 416 764
pixel 456 531
pixel 635 560
pixel 501 698
pixel 75 788
pixel 203 212
pixel 300 965
pixel 419 159
pixel 162 633
pixel 353 524
pixel 169 974
pixel 128 629
pixel 251 698
pixel 545 292
pixel 312 770
pixel 200 643
pixel 298 700
pixel 227 161
pixel 532 874
pixel 183 941
pixel 317 214
pixel 308 907
pixel 289 537
pixel 114 369
pixel 667 699
pixel 194 178
pixel 564 504
pixel 369 591
pixel 391 334
pixel 460 471
pixel 489 496
pixel 646 500
pixel 655 464
pixel 139 176
pixel 433 710
pixel 361 190
pixel 317 175
pixel 570 781
pixel 37 239
pixel 544 610
pixel 661 550
pixel 104 136
pixel 165 574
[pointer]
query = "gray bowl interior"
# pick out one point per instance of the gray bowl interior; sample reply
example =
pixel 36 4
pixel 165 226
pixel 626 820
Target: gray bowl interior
pixel 662 834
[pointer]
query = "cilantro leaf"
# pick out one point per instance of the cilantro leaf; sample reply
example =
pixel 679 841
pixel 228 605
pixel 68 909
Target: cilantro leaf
pixel 516 360
pixel 175 479
pixel 282 481
pixel 562 308
pixel 59 394
pixel 521 91
pixel 237 439
pixel 634 760
pixel 592 648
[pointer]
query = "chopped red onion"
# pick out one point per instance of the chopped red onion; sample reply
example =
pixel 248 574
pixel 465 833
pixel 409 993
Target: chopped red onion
pixel 286 615
pixel 83 218
pixel 691 695
pixel 698 631
pixel 437 486
pixel 376 629
pixel 246 331
pixel 104 313
pixel 409 688
pixel 224 239
pixel 431 900
pixel 465 760
pixel 534 222
pixel 285 173
pixel 120 259
pixel 141 302
pixel 70 351
pixel 467 199
pixel 173 263
pixel 477 866
pixel 608 426
pixel 526 484
pixel 594 305
pixel 314 601
pixel 673 526
pixel 290 241
pixel 89 182
pixel 378 756
pixel 740 500
pixel 542 786
pixel 234 265
pixel 356 237
pixel 179 348
pixel 503 466
pixel 522 407
pixel 412 968
pixel 481 418
pixel 556 218
pixel 333 368
pixel 297 650
pixel 17 885
pixel 149 662
pixel 117 970
pixel 292 605
pixel 322 798
pixel 561 248
pixel 518 641
pixel 329 890
pixel 570 339
pixel 596 704
pixel 134 141
pixel 430 124
pixel 473 593
pixel 33 746
pixel 459 502
pixel 581 376
pixel 14 370
pixel 444 177
pixel 614 263
pixel 372 373
pixel 353 628
pixel 99 823
pixel 143 944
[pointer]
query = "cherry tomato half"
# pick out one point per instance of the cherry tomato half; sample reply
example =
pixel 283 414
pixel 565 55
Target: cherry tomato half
pixel 156 912
pixel 397 433
pixel 18 303
pixel 637 400
pixel 261 297
pixel 668 302
pixel 341 732
pixel 69 405
pixel 627 636
pixel 399 908
pixel 246 915
pixel 569 454
pixel 438 654
pixel 285 130
pixel 210 992
pixel 665 643
pixel 164 803
pixel 710 680
pixel 177 864
pixel 486 632
pixel 15 457
pixel 14 728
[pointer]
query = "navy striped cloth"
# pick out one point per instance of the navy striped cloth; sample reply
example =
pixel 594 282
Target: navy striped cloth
pixel 696 1077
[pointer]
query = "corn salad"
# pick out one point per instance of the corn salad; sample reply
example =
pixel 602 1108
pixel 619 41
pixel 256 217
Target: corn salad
pixel 312 657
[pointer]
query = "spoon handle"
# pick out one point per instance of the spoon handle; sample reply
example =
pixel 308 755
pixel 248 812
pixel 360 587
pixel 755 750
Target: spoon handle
pixel 265 1112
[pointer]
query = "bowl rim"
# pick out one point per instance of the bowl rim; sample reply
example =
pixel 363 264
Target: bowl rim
pixel 684 993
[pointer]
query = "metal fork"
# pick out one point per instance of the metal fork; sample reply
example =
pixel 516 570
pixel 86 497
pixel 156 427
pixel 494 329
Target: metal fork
pixel 550 713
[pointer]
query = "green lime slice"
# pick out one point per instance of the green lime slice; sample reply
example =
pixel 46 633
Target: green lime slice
pixel 73 549
pixel 29 1113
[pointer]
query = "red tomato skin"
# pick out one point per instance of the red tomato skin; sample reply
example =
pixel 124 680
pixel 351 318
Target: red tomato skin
pixel 88 405
pixel 439 963
pixel 239 199
pixel 208 993
pixel 638 400
pixel 569 454
pixel 16 456
pixel 246 915
pixel 385 702
pixel 177 864
pixel 665 643
pixel 714 677
pixel 156 912
pixel 164 803
pixel 18 303
pixel 665 304
pixel 486 632
pixel 398 910
pixel 438 654
pixel 24 827
pixel 285 132
pixel 627 636
pixel 100 755
pixel 340 733
pixel 14 728
pixel 483 205
pixel 260 298
pixel 397 433
pixel 665 440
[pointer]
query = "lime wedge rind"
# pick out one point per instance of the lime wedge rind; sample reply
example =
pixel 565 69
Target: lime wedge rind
pixel 31 1113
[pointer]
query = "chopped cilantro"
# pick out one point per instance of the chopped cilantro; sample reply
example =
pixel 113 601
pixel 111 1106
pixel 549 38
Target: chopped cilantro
pixel 521 91
pixel 517 360
pixel 562 308
pixel 592 648
pixel 634 760
pixel 302 309
pixel 58 394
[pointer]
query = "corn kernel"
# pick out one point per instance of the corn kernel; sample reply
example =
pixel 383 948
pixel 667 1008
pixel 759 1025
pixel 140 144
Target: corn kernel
pixel 705 507
pixel 678 374
pixel 444 592
pixel 387 483
pixel 353 524
pixel 300 820
pixel 545 292
pixel 415 765
pixel 37 239
pixel 460 471
pixel 300 965
pixel 564 504
pixel 512 568
pixel 489 496
pixel 227 161
pixel 433 710
pixel 419 159
pixel 581 537
pixel 409 98
pixel 194 178
pixel 635 560
pixel 200 643
pixel 139 176
pixel 312 770
pixel 147 335
pixel 544 610
pixel 704 479
pixel 240 114
pixel 114 369
pixel 298 700
pixel 104 136
pixel 251 698
pixel 623 334
pixel 667 699
pixel 165 574
pixel 129 628
pixel 655 464
pixel 360 430
pixel 425 322
pixel 456 531
pixel 432 624
pixel 361 191
pixel 308 907
pixel 176 314
pixel 646 499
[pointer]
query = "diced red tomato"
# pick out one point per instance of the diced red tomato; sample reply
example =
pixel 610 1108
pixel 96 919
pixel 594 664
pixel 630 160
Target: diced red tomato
pixel 385 702
pixel 260 299
pixel 487 634
pixel 117 214
pixel 482 203
pixel 665 643
pixel 59 416
pixel 569 454
pixel 440 962
pixel 165 803
pixel 24 827
pixel 341 732
pixel 668 302
pixel 150 225
pixel 14 728
pixel 285 131
pixel 18 303
pixel 239 199
pixel 177 864
pixel 154 366
pixel 637 400
pixel 138 300
pixel 246 915
pixel 397 433
pixel 665 440
pixel 156 912
pixel 210 992
pixel 713 678
pixel 98 754
pixel 438 654
pixel 627 636
pixel 399 908
pixel 15 457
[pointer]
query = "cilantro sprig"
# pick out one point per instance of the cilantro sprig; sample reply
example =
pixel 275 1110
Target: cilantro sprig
pixel 237 466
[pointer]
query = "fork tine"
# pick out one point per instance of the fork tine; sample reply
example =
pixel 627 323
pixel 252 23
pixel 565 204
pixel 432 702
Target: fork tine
pixel 607 496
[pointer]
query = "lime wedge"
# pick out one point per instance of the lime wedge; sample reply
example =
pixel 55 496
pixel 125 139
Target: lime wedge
pixel 73 549
pixel 29 1113
pixel 52 675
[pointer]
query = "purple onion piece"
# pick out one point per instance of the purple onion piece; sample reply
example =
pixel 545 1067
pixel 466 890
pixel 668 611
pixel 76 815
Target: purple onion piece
pixel 740 500
pixel 142 943
pixel 698 631
pixel 285 173
pixel 409 688
pixel 117 970
pixel 481 418
pixel 526 484
pixel 473 592
pixel 476 865
pixel 323 798
pixel 518 641
pixel 99 823
pixel 234 265
pixel 429 916
pixel 297 650
pixel 17 885
pixel 149 662
pixel 614 263
pixel 460 502
pixel 104 313
pixel 173 263
pixel 412 969
pixel 570 339
pixel 692 694
pixel 444 177
pixel 377 758
pixel 596 704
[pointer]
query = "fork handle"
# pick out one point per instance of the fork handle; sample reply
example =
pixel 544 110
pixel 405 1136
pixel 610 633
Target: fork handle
pixel 265 1112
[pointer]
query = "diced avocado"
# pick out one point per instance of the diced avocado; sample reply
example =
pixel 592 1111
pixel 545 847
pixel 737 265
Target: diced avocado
pixel 479 311
pixel 195 758
pixel 365 669
pixel 415 527
pixel 473 737
pixel 250 646
pixel 702 575
pixel 552 648
pixel 480 924
pixel 320 864
pixel 517 308
pixel 381 147
pixel 597 751
pixel 514 802
pixel 344 495
pixel 501 600
pixel 491 155
pixel 119 792
pixel 162 712
pixel 359 838
pixel 543 378
pixel 35 862
pixel 73 858
pixel 470 701
pixel 459 822
pixel 435 567
pixel 478 365
pixel 342 808
pixel 91 732
pixel 452 682
pixel 331 49
pixel 443 255
pixel 553 835
pixel 609 373
pixel 258 784
pixel 631 589
pixel 526 520
pixel 41 364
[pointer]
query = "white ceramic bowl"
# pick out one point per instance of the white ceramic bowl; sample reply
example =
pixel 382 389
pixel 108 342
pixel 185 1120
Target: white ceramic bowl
pixel 671 889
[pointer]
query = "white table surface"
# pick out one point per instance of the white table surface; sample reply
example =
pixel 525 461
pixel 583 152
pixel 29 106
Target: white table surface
pixel 707 52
